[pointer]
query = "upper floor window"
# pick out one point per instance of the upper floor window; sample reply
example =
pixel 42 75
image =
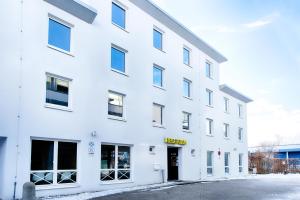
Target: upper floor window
pixel 57 91
pixel 208 69
pixel 157 114
pixel 240 110
pixel 226 130
pixel 186 56
pixel 158 76
pixel 157 39
pixel 118 15
pixel 209 126
pixel 59 35
pixel 209 94
pixel 186 121
pixel 226 104
pixel 186 88
pixel 115 104
pixel 240 134
pixel 118 59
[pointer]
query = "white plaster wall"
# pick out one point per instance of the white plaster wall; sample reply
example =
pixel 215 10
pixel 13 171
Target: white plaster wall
pixel 89 68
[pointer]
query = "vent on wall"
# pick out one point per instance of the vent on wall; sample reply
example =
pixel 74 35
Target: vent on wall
pixel 76 8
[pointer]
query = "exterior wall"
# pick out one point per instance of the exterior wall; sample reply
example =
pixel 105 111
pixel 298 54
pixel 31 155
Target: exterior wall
pixel 89 69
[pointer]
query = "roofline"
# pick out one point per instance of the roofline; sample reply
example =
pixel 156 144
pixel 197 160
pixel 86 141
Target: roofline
pixel 274 145
pixel 164 18
pixel 228 90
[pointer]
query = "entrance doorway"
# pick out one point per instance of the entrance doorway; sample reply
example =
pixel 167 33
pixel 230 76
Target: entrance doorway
pixel 173 163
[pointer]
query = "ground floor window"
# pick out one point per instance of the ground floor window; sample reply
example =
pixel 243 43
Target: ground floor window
pixel 210 162
pixel 240 162
pixel 226 162
pixel 115 162
pixel 53 162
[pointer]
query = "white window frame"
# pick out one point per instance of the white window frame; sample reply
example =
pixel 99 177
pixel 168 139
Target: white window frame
pixel 190 55
pixel 162 38
pixel 55 171
pixel 125 73
pixel 189 122
pixel 125 8
pixel 212 163
pixel 226 130
pixel 190 88
pixel 67 24
pixel 240 110
pixel 227 167
pixel 116 169
pixel 210 69
pixel 240 133
pixel 210 99
pixel 162 76
pixel 162 107
pixel 210 128
pixel 226 105
pixel 241 155
pixel 113 117
pixel 68 108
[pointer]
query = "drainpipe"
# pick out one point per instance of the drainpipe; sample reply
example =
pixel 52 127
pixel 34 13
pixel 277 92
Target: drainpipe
pixel 19 97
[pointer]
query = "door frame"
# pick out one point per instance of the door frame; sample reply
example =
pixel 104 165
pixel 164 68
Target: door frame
pixel 179 149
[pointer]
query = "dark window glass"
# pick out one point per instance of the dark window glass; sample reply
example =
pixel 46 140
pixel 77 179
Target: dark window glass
pixel 208 70
pixel 117 60
pixel 157 39
pixel 118 15
pixel 107 157
pixel 57 91
pixel 124 157
pixel 67 156
pixel 157 76
pixel 42 155
pixel 59 35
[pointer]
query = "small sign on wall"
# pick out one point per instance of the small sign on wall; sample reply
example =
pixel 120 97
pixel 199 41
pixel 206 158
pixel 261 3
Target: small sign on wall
pixel 91 148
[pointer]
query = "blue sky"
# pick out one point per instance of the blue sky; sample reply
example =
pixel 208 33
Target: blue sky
pixel 261 40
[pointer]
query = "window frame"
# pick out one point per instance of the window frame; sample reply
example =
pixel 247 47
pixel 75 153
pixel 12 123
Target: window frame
pixel 189 115
pixel 210 74
pixel 116 161
pixel 186 49
pixel 210 126
pixel 125 9
pixel 68 108
pixel 226 130
pixel 212 163
pixel 241 155
pixel 55 171
pixel 162 107
pixel 125 52
pixel 209 96
pixel 162 76
pixel 185 80
pixel 155 28
pixel 240 134
pixel 227 167
pixel 68 25
pixel 226 105
pixel 240 110
pixel 114 117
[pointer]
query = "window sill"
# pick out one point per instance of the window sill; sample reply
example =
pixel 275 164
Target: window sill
pixel 189 65
pixel 226 112
pixel 209 135
pixel 226 138
pixel 210 106
pixel 186 131
pixel 119 72
pixel 60 50
pixel 162 88
pixel 159 126
pixel 189 98
pixel 161 50
pixel 56 107
pixel 123 29
pixel 116 118
pixel 209 77
pixel 61 186
pixel 115 182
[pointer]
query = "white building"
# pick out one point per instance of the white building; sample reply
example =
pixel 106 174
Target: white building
pixel 106 94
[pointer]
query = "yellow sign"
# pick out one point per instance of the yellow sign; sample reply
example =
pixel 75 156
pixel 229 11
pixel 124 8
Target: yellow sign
pixel 175 141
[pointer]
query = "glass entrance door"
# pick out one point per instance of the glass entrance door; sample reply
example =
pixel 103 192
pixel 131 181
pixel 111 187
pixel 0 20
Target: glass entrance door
pixel 172 163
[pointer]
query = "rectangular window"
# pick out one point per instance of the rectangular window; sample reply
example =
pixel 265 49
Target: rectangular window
pixel 118 15
pixel 186 88
pixel 209 126
pixel 226 162
pixel 226 130
pixel 59 35
pixel 53 162
pixel 57 91
pixel 157 114
pixel 240 110
pixel 186 56
pixel 240 162
pixel 157 39
pixel 157 76
pixel 118 59
pixel 208 70
pixel 209 94
pixel 115 104
pixel 186 121
pixel 210 162
pixel 240 134
pixel 115 162
pixel 226 105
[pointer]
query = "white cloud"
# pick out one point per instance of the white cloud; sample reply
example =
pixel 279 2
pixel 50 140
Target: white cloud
pixel 262 22
pixel 269 122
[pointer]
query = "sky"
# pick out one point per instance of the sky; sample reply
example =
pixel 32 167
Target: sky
pixel 261 40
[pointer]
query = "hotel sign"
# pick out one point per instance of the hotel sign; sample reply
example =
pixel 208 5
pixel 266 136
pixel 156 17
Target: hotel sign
pixel 175 141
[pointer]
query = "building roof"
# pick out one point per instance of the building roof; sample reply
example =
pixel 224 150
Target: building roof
pixel 164 18
pixel 277 148
pixel 228 90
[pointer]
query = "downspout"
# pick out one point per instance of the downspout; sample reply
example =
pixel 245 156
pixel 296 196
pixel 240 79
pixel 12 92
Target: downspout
pixel 19 97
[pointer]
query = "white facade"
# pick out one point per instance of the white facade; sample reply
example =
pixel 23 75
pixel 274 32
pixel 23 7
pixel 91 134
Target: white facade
pixel 27 58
